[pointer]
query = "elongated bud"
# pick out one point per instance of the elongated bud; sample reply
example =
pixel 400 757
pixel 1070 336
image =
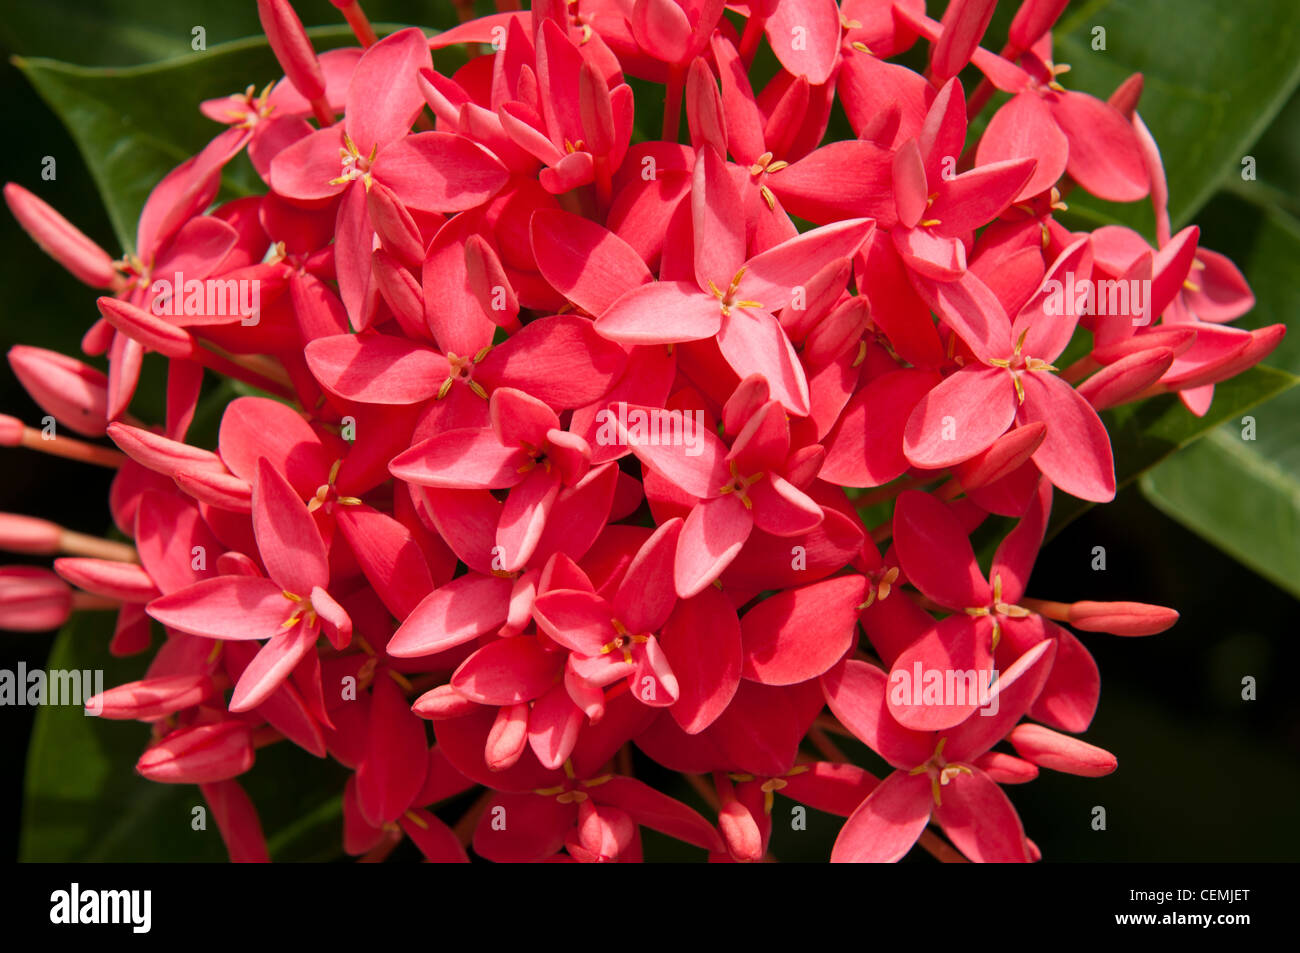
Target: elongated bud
pixel 443 702
pixel 61 240
pixel 27 534
pixel 199 754
pixel 1124 380
pixel 1121 618
pixel 704 114
pixel 842 329
pixel 1177 339
pixel 11 431
pixel 1008 453
pixel 151 698
pixel 222 490
pixel 33 599
pixel 74 393
pixel 1126 95
pixel 397 230
pixel 964 23
pixel 604 832
pixel 401 291
pixel 508 738
pixel 1032 20
pixel 105 577
pixel 1051 749
pixel 288 39
pixel 161 454
pixel 487 279
pixel 1006 768
pixel 237 820
pixel 1261 345
pixel 740 831
pixel 153 332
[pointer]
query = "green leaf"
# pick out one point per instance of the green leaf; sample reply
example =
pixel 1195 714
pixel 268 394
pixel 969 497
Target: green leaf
pixel 1216 75
pixel 133 126
pixel 1243 494
pixel 1144 434
pixel 84 802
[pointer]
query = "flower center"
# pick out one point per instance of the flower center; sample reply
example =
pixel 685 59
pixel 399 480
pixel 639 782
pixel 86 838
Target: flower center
pixel 355 165
pixel 538 455
pixel 302 610
pixel 462 369
pixel 940 771
pixel 998 610
pixel 623 641
pixel 727 299
pixel 740 484
pixel 326 490
pixel 1016 364
pixel 884 580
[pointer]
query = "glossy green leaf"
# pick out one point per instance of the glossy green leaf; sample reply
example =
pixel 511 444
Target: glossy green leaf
pixel 1215 76
pixel 83 800
pixel 1240 488
pixel 133 126
pixel 1144 434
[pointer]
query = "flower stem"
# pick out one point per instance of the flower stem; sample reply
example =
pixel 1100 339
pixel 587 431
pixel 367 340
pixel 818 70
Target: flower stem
pixel 71 448
pixel 360 24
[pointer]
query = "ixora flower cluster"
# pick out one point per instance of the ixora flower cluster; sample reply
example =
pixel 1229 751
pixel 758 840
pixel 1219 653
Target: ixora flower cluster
pixel 568 430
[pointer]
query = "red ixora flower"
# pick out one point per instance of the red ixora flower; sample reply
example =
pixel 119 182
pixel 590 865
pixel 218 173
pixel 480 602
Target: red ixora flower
pixel 554 481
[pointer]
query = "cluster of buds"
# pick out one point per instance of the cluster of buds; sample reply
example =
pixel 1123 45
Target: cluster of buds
pixel 555 438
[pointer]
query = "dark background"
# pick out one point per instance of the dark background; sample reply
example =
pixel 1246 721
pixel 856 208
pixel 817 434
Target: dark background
pixel 1203 774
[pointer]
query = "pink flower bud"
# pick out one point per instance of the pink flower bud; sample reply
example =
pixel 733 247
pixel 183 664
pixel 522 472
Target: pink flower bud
pixel 33 599
pixel 1126 95
pixel 1008 453
pixel 508 738
pixel 964 23
pixel 125 581
pixel 161 454
pixel 1121 618
pixel 443 702
pixel 60 239
pixel 1051 749
pixel 199 754
pixel 841 329
pixel 153 332
pixel 292 48
pixel 152 698
pixel 27 534
pixel 11 431
pixel 1126 378
pixel 1032 20
pixel 74 393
